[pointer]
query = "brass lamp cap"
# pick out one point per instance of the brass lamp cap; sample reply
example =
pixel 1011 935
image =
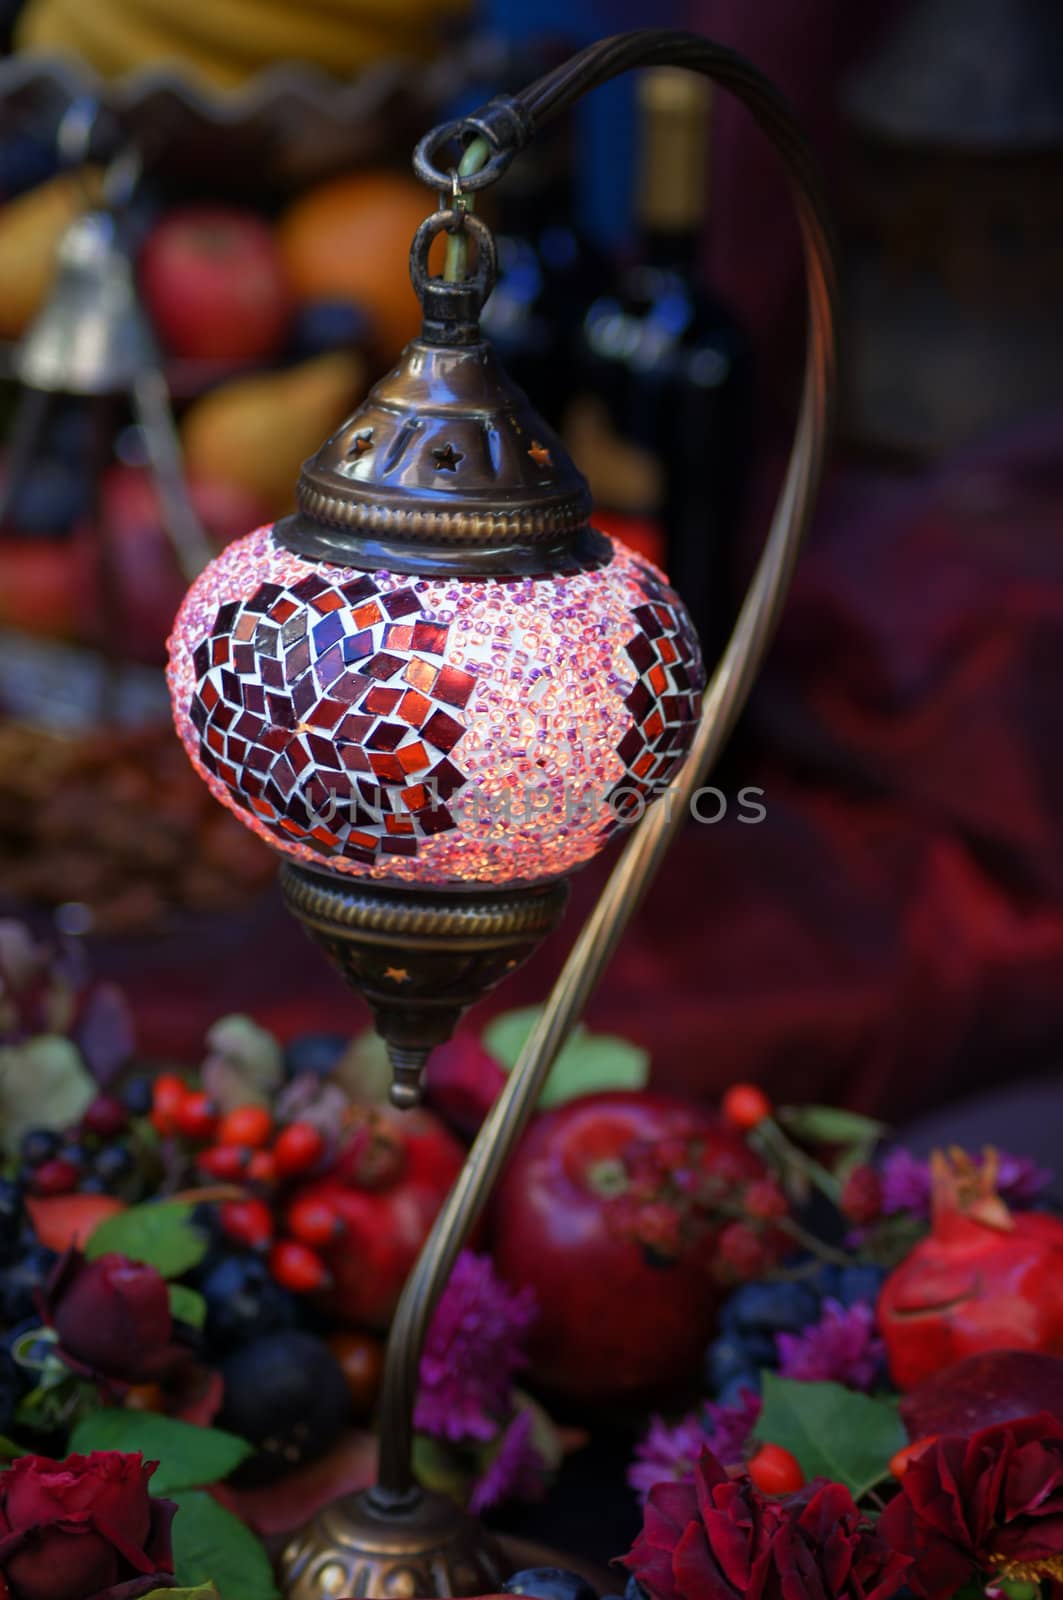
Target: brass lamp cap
pixel 446 465
pixel 444 452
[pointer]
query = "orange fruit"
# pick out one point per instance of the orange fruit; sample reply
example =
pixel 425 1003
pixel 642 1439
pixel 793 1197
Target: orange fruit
pixel 349 239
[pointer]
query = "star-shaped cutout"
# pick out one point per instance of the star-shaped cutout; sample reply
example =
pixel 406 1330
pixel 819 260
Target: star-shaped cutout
pixel 361 443
pixel 539 454
pixel 397 974
pixel 446 458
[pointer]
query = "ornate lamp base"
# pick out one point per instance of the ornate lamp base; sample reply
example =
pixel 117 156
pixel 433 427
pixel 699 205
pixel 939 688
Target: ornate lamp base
pixel 421 957
pixel 361 1547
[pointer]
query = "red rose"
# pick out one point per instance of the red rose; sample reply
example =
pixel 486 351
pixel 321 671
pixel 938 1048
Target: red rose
pixel 713 1537
pixel 112 1316
pixel 83 1529
pixel 988 1504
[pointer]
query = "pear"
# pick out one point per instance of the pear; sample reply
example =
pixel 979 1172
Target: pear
pixel 31 227
pixel 257 431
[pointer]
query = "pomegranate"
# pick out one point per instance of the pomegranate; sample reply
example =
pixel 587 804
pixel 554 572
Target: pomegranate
pixel 390 1179
pixel 983 1279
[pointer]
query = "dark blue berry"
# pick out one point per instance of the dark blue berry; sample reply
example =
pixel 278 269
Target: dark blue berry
pixel 860 1283
pixel 113 1163
pixel 243 1301
pixel 315 1053
pixel 287 1395
pixel 11 1218
pixel 732 1355
pixel 549 1583
pixel 94 1184
pixel 775 1306
pixel 734 1391
pixel 11 1388
pixel 22 1281
pixel 39 1145
pixel 76 1154
pixel 634 1590
pixel 137 1095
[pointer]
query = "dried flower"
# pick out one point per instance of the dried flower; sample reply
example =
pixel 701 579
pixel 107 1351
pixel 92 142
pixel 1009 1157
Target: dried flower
pixel 516 1471
pixel 842 1347
pixel 906 1181
pixel 670 1452
pixel 475 1344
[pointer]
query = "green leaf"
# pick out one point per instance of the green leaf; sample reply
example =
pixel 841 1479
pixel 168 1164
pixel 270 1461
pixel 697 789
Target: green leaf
pixel 187 1305
pixel 545 1434
pixel 834 1432
pixel 43 1084
pixel 828 1125
pixel 160 1235
pixel 589 1062
pixel 441 1468
pixel 202 1591
pixel 211 1545
pixel 187 1455
pixel 9 1450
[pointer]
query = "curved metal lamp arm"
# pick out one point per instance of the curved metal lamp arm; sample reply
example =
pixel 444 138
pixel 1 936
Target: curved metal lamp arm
pixel 507 124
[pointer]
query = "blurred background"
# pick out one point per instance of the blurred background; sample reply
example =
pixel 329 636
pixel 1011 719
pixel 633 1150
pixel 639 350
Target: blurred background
pixel 890 934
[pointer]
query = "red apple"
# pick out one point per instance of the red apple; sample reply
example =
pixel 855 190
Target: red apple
pixel 608 1211
pixel 214 284
pixel 150 583
pixel 384 1193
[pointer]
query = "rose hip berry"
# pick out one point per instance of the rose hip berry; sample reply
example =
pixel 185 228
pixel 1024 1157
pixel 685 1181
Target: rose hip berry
pixel 861 1200
pixel 250 1125
pixel 297 1148
pixel 314 1222
pixel 775 1471
pixel 902 1460
pixel 196 1117
pixel 765 1200
pixel 167 1099
pixel 745 1106
pixel 298 1268
pixel 248 1222
pixel 226 1162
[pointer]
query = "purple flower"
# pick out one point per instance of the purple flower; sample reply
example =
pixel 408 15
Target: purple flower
pixel 475 1344
pixel 671 1452
pixel 905 1184
pixel 906 1181
pixel 515 1472
pixel 840 1348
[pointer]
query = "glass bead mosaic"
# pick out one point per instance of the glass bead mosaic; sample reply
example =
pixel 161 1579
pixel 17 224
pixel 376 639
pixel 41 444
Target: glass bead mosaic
pixel 433 730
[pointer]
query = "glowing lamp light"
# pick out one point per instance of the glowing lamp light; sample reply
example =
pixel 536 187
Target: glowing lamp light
pixel 436 678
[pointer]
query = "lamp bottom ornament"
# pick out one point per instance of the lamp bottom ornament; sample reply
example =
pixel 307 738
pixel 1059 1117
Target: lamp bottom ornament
pixel 365 1546
pixel 420 957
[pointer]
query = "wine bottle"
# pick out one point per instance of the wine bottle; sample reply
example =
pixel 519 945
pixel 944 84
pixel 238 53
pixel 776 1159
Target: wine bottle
pixel 549 271
pixel 661 418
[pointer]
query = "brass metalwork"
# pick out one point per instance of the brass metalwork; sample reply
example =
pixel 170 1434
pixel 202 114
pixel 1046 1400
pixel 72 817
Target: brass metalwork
pixel 419 957
pixel 507 124
pixel 420 1545
pixel 444 466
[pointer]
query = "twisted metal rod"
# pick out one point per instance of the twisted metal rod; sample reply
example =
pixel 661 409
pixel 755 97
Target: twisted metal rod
pixel 724 697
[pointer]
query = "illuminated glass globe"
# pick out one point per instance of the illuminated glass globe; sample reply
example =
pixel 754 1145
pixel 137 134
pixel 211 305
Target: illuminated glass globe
pixel 434 727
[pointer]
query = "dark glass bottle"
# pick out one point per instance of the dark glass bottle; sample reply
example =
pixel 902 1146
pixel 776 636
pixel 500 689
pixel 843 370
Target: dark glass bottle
pixel 662 415
pixel 549 271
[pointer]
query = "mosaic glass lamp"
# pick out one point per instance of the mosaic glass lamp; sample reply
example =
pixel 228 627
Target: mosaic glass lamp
pixel 437 690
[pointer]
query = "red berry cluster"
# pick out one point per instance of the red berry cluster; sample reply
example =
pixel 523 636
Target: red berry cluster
pixel 244 1146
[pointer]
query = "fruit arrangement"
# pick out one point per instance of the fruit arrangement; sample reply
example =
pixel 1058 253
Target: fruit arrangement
pixel 207 1260
pixel 223 45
